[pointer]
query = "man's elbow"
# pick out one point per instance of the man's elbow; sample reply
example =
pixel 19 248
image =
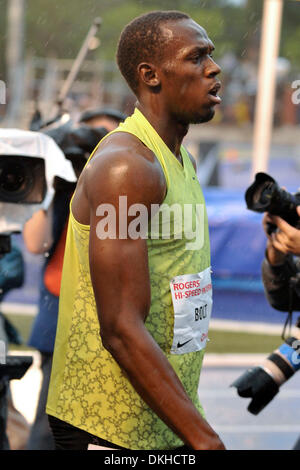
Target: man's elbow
pixel 110 342
pixel 118 338
pixel 112 337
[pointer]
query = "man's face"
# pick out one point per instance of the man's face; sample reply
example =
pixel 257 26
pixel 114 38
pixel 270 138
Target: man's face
pixel 188 73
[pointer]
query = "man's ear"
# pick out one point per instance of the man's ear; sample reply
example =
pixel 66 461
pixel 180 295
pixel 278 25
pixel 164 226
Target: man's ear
pixel 148 75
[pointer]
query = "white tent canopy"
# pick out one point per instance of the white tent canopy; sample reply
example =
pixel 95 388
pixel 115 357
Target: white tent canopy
pixel 15 142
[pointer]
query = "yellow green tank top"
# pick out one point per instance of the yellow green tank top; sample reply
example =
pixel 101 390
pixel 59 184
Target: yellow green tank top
pixel 87 388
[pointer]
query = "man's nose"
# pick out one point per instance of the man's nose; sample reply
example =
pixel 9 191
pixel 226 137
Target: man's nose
pixel 213 68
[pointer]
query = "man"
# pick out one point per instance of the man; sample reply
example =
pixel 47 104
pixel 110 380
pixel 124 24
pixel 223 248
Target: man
pixel 280 267
pixel 128 353
pixel 279 264
pixel 45 232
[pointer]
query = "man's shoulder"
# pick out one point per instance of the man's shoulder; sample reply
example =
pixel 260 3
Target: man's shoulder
pixel 123 147
pixel 123 161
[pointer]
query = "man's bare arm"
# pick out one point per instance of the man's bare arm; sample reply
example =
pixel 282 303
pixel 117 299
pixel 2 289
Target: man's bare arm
pixel 37 232
pixel 120 277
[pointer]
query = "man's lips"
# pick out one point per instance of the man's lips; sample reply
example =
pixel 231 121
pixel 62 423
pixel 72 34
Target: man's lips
pixel 213 93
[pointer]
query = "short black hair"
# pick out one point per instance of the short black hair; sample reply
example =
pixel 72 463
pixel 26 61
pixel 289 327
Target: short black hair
pixel 141 40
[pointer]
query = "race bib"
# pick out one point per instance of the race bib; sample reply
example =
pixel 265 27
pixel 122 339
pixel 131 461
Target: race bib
pixel 192 303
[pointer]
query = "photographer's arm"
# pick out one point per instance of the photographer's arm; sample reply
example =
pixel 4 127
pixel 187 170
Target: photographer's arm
pixel 279 266
pixel 262 382
pixel 37 232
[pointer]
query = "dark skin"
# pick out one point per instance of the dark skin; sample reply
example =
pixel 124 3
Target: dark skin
pixel 284 241
pixel 171 95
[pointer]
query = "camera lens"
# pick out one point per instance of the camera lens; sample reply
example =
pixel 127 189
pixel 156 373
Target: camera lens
pixel 264 195
pixel 15 179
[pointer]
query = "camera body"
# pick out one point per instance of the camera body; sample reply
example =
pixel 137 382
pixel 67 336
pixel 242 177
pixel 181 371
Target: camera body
pixel 29 163
pixel 262 383
pixel 265 195
pixel 77 141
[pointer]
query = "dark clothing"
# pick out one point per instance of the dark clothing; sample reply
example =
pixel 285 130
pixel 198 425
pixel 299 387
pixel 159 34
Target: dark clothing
pixel 41 437
pixel 68 437
pixel 43 332
pixel 297 445
pixel 44 328
pixel 281 289
pixel 11 277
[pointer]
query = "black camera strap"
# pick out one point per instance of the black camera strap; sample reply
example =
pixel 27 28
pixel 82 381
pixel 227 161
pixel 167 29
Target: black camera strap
pixel 294 281
pixel 288 321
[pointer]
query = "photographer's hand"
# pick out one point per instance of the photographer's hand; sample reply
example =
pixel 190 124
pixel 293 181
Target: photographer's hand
pixel 287 238
pixel 274 256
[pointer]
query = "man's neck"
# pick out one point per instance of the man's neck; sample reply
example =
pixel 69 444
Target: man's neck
pixel 171 132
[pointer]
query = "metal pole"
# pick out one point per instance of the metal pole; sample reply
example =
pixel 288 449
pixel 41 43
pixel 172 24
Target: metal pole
pixel 15 59
pixel 78 62
pixel 263 122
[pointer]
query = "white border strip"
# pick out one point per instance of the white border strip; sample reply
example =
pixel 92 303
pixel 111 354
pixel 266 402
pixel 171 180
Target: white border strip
pixel 262 428
pixel 18 308
pixel 250 327
pixel 215 324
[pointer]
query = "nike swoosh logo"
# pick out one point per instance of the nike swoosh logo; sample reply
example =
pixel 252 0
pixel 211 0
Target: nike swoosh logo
pixel 179 345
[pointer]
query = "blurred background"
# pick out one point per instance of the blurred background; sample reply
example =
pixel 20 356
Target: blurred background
pixel 39 41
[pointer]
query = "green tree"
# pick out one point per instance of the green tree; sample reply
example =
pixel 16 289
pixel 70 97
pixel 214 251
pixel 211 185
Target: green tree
pixel 57 28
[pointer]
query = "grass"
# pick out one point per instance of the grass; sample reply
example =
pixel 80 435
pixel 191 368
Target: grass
pixel 229 342
pixel 221 342
pixel 23 324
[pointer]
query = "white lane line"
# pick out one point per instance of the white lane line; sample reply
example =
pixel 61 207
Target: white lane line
pixel 264 428
pixel 215 324
pixel 10 308
pixel 247 327
pixel 232 393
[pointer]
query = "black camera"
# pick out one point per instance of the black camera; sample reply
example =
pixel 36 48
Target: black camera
pixel 13 368
pixel 262 383
pixel 22 179
pixel 29 163
pixel 76 141
pixel 264 195
pixel 22 167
